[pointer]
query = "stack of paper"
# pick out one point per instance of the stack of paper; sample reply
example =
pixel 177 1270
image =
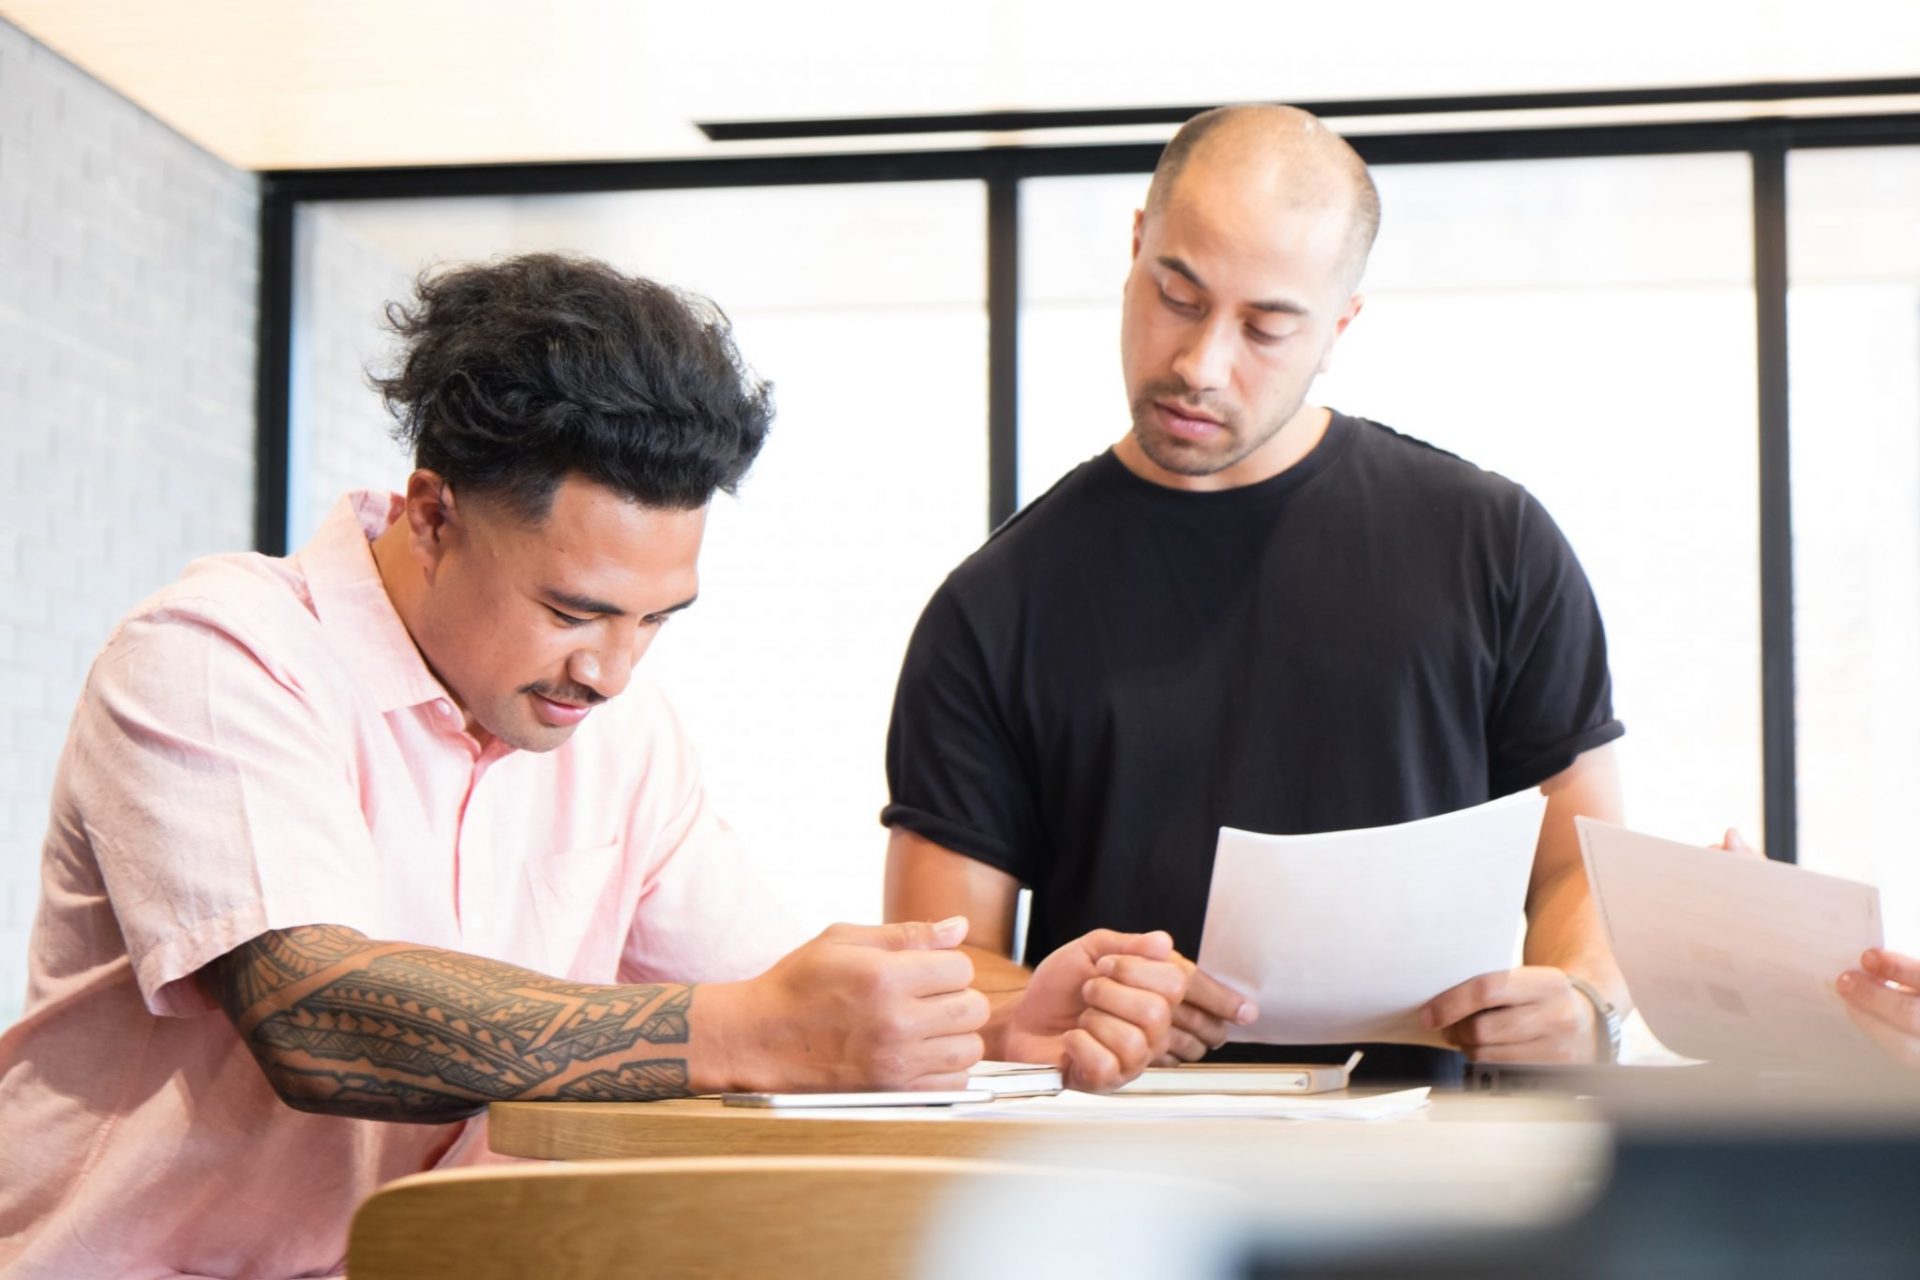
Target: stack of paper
pixel 1014 1079
pixel 1096 1106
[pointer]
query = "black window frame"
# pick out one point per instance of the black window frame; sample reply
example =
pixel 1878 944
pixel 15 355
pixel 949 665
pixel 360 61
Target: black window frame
pixel 1766 141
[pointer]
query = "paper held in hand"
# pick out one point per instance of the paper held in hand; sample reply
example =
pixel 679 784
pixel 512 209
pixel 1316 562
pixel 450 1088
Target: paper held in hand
pixel 1341 937
pixel 1734 959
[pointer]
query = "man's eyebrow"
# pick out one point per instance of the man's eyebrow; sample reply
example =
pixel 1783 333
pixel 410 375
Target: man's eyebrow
pixel 583 604
pixel 1178 267
pixel 674 608
pixel 588 604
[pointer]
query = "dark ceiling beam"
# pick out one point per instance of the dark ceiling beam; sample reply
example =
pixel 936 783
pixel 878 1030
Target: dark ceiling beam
pixel 1344 108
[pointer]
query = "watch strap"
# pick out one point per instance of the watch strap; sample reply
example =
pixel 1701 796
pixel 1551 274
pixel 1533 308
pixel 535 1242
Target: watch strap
pixel 1607 1020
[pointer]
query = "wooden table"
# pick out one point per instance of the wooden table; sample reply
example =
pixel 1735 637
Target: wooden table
pixel 706 1127
pixel 1531 1168
pixel 1467 1159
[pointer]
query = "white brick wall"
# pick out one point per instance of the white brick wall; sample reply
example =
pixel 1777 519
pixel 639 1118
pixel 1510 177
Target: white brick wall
pixel 128 260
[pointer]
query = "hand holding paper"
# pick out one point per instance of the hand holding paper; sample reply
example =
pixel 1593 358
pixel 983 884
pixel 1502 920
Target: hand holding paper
pixel 1344 937
pixel 1883 994
pixel 1529 1014
pixel 1734 959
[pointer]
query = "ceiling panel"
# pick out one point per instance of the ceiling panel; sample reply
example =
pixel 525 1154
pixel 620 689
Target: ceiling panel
pixel 325 83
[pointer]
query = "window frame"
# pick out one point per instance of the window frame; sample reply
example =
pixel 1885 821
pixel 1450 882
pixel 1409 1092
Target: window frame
pixel 1001 168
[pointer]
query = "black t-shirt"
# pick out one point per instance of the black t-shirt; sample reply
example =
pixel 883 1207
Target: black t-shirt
pixel 1380 633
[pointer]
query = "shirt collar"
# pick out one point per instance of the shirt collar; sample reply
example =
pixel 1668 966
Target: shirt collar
pixel 352 603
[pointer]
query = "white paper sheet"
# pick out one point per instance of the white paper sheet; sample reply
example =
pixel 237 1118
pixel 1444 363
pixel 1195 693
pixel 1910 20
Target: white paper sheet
pixel 1733 959
pixel 1342 937
pixel 1199 1106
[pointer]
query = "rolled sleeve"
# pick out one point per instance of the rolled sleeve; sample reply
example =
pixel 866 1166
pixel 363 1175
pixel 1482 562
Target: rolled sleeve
pixel 954 771
pixel 1554 696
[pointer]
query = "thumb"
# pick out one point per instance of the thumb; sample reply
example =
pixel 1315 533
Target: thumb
pixel 906 935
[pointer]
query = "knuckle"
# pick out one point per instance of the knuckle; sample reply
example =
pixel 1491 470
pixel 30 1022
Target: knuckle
pixel 899 975
pixel 968 1052
pixel 892 1023
pixel 890 1068
pixel 1127 1043
pixel 945 975
pixel 1158 1018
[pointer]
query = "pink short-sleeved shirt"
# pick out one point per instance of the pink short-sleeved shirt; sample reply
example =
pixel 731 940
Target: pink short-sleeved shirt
pixel 261 746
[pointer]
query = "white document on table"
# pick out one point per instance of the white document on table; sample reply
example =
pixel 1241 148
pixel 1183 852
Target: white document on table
pixel 1733 959
pixel 1208 1106
pixel 1341 937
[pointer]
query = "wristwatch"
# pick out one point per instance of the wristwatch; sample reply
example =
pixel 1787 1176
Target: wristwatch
pixel 1606 1021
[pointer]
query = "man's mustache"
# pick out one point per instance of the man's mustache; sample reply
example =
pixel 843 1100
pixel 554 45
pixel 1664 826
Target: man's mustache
pixel 578 694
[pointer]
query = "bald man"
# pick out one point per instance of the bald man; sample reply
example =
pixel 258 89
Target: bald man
pixel 1258 612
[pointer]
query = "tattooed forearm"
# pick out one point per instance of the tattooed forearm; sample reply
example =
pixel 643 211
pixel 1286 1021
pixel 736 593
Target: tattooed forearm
pixel 348 1026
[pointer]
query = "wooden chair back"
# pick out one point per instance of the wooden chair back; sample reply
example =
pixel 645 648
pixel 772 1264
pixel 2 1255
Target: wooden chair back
pixel 794 1217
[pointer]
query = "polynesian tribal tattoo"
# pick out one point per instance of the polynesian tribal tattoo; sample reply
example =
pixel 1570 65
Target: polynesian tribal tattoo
pixel 344 1025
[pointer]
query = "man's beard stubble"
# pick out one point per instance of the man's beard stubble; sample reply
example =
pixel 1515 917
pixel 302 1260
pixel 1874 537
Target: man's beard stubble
pixel 1177 456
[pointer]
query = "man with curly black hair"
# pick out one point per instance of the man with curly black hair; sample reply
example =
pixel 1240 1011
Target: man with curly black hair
pixel 385 830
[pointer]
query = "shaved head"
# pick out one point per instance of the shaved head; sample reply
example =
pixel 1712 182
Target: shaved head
pixel 1246 265
pixel 1279 151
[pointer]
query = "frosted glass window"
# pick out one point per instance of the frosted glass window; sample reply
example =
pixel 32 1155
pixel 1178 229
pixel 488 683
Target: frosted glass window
pixel 1853 220
pixel 1584 327
pixel 865 306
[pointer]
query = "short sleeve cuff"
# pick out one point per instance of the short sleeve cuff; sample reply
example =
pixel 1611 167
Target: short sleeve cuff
pixel 166 972
pixel 1537 768
pixel 955 836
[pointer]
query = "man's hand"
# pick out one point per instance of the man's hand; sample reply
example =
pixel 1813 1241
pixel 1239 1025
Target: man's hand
pixel 1209 1011
pixel 1529 1014
pixel 859 1007
pixel 1883 995
pixel 1101 1007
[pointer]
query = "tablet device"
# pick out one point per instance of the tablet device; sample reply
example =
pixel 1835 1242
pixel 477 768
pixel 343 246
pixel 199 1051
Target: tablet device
pixel 894 1098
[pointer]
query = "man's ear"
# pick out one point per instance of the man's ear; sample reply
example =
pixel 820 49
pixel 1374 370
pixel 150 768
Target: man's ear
pixel 1139 226
pixel 1340 324
pixel 432 520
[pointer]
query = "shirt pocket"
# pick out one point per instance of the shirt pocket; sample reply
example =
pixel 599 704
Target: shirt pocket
pixel 576 912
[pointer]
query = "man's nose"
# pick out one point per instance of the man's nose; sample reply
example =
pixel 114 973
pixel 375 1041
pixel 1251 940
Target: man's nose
pixel 605 669
pixel 1205 362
